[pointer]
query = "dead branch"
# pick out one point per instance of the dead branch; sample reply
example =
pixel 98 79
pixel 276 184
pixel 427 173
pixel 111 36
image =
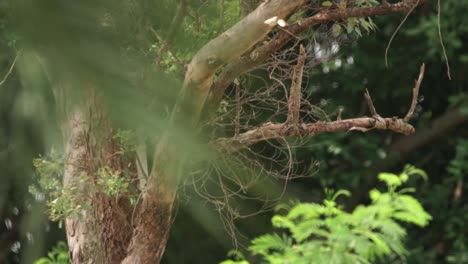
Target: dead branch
pixel 261 54
pixel 441 40
pixel 414 102
pixel 294 101
pixel 281 130
pixel 397 30
pixel 370 103
pixel 294 128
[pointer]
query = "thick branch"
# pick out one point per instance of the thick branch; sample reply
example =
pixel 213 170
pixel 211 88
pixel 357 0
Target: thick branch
pixel 262 53
pixel 229 46
pixel 294 100
pixel 275 130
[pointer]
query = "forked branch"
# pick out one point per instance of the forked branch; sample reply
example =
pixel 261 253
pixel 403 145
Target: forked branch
pixel 282 130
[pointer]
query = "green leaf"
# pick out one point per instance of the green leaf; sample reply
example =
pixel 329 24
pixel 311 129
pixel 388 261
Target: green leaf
pixel 336 30
pixel 390 179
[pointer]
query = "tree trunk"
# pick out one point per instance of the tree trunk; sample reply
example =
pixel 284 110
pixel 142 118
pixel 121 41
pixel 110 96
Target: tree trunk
pixel 102 233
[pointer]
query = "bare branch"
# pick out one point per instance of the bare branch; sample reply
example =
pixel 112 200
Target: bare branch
pixel 370 104
pixel 11 68
pixel 442 41
pixel 238 108
pixel 397 29
pixel 281 130
pixel 293 128
pixel 176 23
pixel 294 101
pixel 414 102
pixel 160 39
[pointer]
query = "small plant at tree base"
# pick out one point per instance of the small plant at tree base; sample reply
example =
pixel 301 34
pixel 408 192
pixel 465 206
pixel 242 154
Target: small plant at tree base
pixel 324 233
pixel 58 255
pixel 127 141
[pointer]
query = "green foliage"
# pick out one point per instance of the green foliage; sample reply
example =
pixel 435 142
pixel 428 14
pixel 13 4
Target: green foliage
pixel 50 172
pixel 459 165
pixel 61 201
pixel 236 257
pixel 71 201
pixel 58 255
pixel 325 233
pixel 115 183
pixel 127 140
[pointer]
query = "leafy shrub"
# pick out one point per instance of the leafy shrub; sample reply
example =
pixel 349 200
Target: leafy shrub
pixel 58 255
pixel 324 233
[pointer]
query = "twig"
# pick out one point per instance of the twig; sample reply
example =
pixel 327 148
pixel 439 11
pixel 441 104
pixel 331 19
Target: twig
pixel 340 112
pixel 294 103
pixel 442 41
pixel 414 102
pixel 396 31
pixel 370 104
pixel 160 39
pixel 11 68
pixel 238 107
pixel 176 22
pixel 457 193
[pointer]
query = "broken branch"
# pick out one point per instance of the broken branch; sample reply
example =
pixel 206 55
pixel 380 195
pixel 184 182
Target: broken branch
pixel 414 102
pixel 282 130
pixel 370 103
pixel 294 102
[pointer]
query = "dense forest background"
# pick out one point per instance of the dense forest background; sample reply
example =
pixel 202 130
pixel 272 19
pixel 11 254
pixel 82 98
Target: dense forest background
pixel 350 161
